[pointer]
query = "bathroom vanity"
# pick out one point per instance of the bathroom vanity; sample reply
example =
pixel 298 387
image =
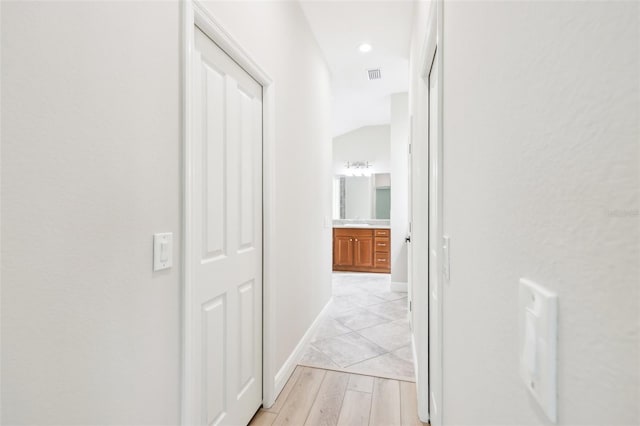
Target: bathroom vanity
pixel 362 249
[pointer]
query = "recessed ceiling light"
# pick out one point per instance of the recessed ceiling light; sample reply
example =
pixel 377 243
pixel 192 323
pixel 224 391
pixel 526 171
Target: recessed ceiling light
pixel 365 47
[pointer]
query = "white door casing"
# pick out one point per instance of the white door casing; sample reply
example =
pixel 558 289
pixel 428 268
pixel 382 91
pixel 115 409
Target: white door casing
pixel 225 381
pixel 426 212
pixel 420 250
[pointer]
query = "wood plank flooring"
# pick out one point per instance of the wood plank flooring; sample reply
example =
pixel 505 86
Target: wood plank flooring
pixel 317 397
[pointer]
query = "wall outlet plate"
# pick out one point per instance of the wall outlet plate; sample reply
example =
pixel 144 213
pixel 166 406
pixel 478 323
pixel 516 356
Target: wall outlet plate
pixel 538 326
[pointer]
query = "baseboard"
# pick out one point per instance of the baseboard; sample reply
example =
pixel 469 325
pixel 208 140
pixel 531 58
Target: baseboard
pixel 398 287
pixel 282 376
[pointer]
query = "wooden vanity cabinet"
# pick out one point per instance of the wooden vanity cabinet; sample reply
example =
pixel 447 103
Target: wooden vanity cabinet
pixel 361 250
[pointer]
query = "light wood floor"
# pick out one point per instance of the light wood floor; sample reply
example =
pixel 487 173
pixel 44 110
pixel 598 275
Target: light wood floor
pixel 314 396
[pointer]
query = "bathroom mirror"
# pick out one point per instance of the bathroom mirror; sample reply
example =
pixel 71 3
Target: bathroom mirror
pixel 362 197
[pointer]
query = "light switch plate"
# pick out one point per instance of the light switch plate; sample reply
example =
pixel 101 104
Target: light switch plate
pixel 162 251
pixel 538 325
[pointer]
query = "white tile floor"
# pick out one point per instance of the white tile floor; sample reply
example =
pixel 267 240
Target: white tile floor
pixel 365 330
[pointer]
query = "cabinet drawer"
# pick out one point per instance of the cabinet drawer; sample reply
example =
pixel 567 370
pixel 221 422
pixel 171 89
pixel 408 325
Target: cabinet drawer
pixel 381 233
pixel 382 244
pixel 350 232
pixel 381 260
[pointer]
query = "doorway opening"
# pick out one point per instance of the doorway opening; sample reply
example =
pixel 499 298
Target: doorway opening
pixel 366 328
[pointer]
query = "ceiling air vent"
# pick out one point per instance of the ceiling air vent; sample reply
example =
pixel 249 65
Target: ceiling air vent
pixel 374 74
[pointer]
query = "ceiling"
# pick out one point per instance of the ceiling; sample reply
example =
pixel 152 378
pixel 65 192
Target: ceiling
pixel 340 27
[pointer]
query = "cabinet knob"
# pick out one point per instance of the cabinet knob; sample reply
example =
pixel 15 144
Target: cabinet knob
pixel 356 240
pixel 350 239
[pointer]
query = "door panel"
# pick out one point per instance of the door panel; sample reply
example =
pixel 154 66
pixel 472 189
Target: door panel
pixel 225 238
pixel 214 215
pixel 250 131
pixel 246 339
pixel 214 325
pixel 343 251
pixel 363 251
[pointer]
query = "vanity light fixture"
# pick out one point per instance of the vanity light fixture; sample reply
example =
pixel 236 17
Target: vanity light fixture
pixel 358 168
pixel 358 165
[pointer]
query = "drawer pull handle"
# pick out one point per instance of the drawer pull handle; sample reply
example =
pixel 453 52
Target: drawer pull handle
pixel 382 244
pixel 382 260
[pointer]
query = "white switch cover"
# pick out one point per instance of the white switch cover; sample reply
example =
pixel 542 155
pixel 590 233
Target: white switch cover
pixel 538 325
pixel 162 251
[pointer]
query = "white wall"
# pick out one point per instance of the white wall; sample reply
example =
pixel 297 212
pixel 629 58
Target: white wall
pixel 399 151
pixel 381 180
pixel 369 143
pixel 91 168
pixel 541 172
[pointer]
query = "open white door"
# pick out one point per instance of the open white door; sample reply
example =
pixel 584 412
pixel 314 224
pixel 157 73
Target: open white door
pixel 224 383
pixel 419 252
pixel 435 250
pixel 427 226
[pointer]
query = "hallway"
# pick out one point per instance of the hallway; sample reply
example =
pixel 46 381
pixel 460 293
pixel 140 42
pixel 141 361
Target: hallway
pixel 365 330
pixel 315 396
pixel 176 176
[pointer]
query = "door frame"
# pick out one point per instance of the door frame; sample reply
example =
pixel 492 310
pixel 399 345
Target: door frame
pixel 432 49
pixel 194 13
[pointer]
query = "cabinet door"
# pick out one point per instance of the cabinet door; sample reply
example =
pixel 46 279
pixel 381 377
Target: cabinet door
pixel 343 251
pixel 363 251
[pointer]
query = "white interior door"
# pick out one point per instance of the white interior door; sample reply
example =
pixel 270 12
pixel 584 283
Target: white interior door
pixel 435 250
pixel 419 250
pixel 225 239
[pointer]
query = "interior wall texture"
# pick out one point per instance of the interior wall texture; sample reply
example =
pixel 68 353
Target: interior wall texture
pixel 368 143
pixel 90 170
pixel 541 180
pixel 92 167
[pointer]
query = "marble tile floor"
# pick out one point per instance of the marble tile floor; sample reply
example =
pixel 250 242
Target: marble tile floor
pixel 365 330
